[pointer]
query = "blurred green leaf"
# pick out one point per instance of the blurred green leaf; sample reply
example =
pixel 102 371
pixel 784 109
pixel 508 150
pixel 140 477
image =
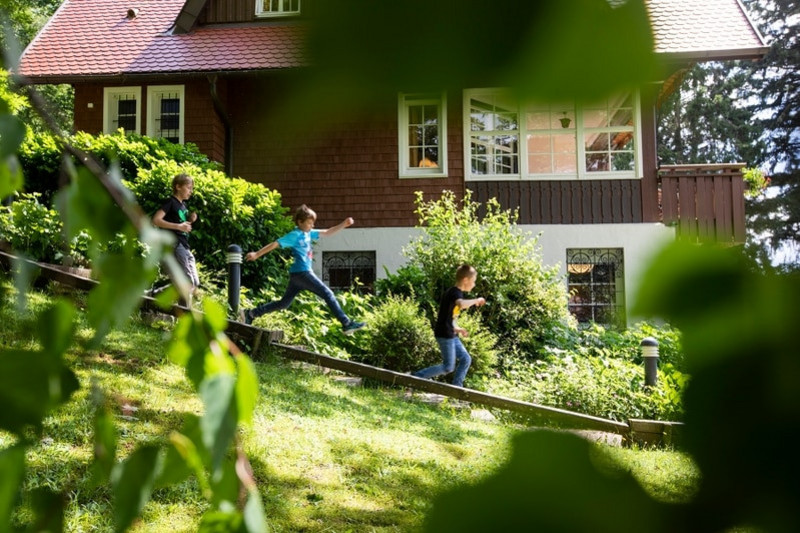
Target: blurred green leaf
pixel 12 133
pixel 124 279
pixel 56 327
pixel 554 482
pixel 254 519
pixel 105 440
pixel 225 483
pixel 11 178
pixel 246 388
pixel 48 507
pixel 86 205
pixel 31 384
pixel 218 424
pixel 132 484
pixel 12 470
pixel 601 47
pixel 742 402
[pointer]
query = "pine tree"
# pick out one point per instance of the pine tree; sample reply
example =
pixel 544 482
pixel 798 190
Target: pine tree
pixel 777 81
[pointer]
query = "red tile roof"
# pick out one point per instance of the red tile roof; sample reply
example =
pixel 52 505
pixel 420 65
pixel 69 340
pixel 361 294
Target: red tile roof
pixel 704 29
pixel 92 38
pixel 96 38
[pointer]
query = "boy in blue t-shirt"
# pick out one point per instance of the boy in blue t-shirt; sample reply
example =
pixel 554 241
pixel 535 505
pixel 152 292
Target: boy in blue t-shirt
pixel 301 276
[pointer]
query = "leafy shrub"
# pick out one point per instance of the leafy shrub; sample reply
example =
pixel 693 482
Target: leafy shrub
pixel 595 340
pixel 601 386
pixel 399 338
pixel 31 227
pixel 525 300
pixel 41 156
pixel 601 372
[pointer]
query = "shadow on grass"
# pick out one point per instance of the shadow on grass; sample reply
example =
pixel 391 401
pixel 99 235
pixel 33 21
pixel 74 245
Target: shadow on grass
pixel 298 391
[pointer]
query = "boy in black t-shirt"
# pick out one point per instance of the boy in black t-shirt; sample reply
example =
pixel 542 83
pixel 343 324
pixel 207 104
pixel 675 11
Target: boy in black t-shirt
pixel 447 330
pixel 175 216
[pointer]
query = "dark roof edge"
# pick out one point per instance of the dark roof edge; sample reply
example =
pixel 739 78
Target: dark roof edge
pixel 124 77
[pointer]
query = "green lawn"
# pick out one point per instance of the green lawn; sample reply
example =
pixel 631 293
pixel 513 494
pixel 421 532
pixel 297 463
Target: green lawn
pixel 327 456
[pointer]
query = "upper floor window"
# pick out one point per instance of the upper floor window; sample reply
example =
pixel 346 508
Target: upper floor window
pixel 121 109
pixel 277 8
pixel 165 112
pixel 507 139
pixel 422 135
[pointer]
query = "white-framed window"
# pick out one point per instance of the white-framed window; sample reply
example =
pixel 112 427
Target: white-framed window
pixel 122 107
pixel 165 112
pixel 508 139
pixel 596 283
pixel 277 8
pixel 341 270
pixel 422 134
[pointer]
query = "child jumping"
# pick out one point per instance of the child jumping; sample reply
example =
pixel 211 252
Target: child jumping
pixel 447 331
pixel 301 276
pixel 175 216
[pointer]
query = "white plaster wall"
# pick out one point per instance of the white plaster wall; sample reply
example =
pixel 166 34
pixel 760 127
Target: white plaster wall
pixel 638 241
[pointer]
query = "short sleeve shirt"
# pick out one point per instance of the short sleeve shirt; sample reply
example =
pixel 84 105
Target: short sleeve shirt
pixel 448 312
pixel 300 242
pixel 176 212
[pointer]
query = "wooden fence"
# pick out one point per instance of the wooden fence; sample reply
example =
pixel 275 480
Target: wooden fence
pixel 705 202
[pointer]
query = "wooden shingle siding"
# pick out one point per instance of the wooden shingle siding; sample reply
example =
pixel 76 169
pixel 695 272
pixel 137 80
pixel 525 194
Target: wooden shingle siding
pixel 346 169
pixel 220 11
pixel 565 202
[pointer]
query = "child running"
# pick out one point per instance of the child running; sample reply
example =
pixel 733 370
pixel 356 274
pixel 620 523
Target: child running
pixel 301 276
pixel 446 330
pixel 175 216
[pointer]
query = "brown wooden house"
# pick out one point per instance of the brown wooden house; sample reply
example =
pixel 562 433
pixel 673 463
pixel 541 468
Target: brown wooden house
pixel 585 177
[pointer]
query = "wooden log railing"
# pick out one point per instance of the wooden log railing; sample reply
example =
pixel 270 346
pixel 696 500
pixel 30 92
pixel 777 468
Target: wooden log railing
pixel 705 202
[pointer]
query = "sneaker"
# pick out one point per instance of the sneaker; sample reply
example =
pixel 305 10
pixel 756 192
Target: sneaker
pixel 245 317
pixel 353 326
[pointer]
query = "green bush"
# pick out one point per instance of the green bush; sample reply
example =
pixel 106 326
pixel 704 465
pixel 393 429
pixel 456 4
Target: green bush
pixel 41 156
pixel 31 227
pixel 399 337
pixel 525 300
pixel 603 386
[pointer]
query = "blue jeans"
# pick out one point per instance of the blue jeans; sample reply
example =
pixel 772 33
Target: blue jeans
pixel 452 351
pixel 303 281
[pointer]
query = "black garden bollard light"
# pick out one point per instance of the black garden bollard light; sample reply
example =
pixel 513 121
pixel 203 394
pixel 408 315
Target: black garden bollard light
pixel 650 355
pixel 234 277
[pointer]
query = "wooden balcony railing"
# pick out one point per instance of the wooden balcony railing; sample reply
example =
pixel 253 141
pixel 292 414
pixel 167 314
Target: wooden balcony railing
pixel 705 202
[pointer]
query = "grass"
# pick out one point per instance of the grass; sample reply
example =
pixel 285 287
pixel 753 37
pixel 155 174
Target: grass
pixel 327 456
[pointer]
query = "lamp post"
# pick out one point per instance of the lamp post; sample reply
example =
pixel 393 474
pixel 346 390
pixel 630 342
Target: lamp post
pixel 234 277
pixel 650 355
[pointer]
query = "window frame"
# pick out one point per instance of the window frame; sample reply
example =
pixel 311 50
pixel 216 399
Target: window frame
pixel 108 94
pixel 153 91
pixel 349 259
pixel 404 102
pixel 592 258
pixel 522 133
pixel 282 13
